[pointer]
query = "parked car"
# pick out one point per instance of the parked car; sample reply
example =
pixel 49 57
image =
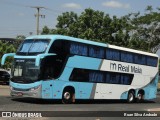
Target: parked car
pixel 4 77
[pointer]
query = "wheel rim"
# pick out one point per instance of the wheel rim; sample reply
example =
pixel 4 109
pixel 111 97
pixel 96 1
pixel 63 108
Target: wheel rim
pixel 140 96
pixel 67 95
pixel 131 97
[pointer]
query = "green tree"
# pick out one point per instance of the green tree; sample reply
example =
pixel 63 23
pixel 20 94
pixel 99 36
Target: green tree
pixel 92 25
pixel 146 29
pixel 20 37
pixel 6 48
pixel 133 30
pixel 45 30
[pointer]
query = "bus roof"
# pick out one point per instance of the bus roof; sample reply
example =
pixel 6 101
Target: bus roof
pixel 132 50
pixel 53 37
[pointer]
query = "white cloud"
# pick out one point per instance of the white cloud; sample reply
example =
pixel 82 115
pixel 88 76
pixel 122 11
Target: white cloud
pixel 116 4
pixel 72 5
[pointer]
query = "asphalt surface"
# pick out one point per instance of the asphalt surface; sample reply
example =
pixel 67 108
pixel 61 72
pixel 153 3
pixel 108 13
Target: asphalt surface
pixel 8 103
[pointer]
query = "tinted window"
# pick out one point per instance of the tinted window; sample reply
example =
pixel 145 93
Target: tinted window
pixel 95 76
pixel 140 59
pixel 126 57
pixel 59 47
pixel 79 75
pixel 78 49
pixel 126 79
pixel 151 61
pixel 112 78
pixel 112 54
pixel 97 52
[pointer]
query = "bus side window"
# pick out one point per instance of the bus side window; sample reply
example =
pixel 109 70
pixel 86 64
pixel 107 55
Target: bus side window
pixel 79 75
pixel 112 54
pixel 126 57
pixel 96 52
pixel 96 77
pixel 139 59
pixel 151 61
pixel 78 49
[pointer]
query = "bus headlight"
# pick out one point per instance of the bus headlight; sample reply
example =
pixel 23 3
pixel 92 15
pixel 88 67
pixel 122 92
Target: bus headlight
pixel 35 88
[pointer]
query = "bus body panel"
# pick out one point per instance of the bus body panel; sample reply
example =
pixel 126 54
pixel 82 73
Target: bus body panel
pixel 83 91
pixel 84 62
pixel 47 89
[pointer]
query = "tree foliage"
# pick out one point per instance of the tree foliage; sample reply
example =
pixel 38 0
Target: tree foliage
pixel 146 29
pixel 6 48
pixel 133 30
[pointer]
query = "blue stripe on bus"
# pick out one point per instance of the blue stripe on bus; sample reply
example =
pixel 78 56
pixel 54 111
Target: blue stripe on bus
pixel 124 95
pixel 84 62
pixel 151 88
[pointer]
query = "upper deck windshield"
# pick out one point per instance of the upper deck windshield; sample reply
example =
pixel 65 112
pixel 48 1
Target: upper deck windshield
pixel 33 46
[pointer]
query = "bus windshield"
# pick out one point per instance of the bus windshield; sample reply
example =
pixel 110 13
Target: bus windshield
pixel 33 46
pixel 25 71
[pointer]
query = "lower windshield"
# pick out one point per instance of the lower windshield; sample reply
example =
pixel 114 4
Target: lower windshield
pixel 25 71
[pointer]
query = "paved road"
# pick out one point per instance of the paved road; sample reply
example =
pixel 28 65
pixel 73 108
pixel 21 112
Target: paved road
pixel 7 103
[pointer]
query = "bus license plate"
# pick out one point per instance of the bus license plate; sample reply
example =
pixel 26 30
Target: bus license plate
pixel 19 94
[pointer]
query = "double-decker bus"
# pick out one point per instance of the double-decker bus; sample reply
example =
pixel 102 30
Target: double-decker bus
pixel 67 68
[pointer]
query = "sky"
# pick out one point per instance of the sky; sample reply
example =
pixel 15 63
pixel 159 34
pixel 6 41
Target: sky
pixel 17 17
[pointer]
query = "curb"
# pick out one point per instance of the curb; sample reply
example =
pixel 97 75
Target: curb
pixel 4 86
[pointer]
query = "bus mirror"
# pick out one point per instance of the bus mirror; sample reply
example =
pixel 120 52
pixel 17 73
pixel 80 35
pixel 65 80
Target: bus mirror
pixel 38 58
pixel 5 56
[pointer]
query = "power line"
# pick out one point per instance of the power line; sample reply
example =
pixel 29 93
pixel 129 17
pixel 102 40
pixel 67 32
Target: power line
pixel 22 5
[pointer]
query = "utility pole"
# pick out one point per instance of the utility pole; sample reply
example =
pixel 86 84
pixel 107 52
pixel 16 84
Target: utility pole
pixel 37 16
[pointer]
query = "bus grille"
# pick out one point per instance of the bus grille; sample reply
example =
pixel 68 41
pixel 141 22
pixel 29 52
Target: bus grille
pixel 19 89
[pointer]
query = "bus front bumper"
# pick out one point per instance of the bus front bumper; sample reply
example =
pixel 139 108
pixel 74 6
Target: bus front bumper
pixel 14 92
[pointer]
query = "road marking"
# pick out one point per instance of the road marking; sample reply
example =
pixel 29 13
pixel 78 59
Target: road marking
pixel 98 119
pixel 154 109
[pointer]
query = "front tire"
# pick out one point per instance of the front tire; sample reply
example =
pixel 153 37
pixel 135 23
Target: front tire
pixel 131 97
pixel 67 97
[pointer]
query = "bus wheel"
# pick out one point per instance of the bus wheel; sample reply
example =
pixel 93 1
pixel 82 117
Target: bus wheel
pixel 68 97
pixel 140 96
pixel 131 97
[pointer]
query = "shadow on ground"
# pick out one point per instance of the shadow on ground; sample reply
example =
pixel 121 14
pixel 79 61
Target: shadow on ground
pixel 49 101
